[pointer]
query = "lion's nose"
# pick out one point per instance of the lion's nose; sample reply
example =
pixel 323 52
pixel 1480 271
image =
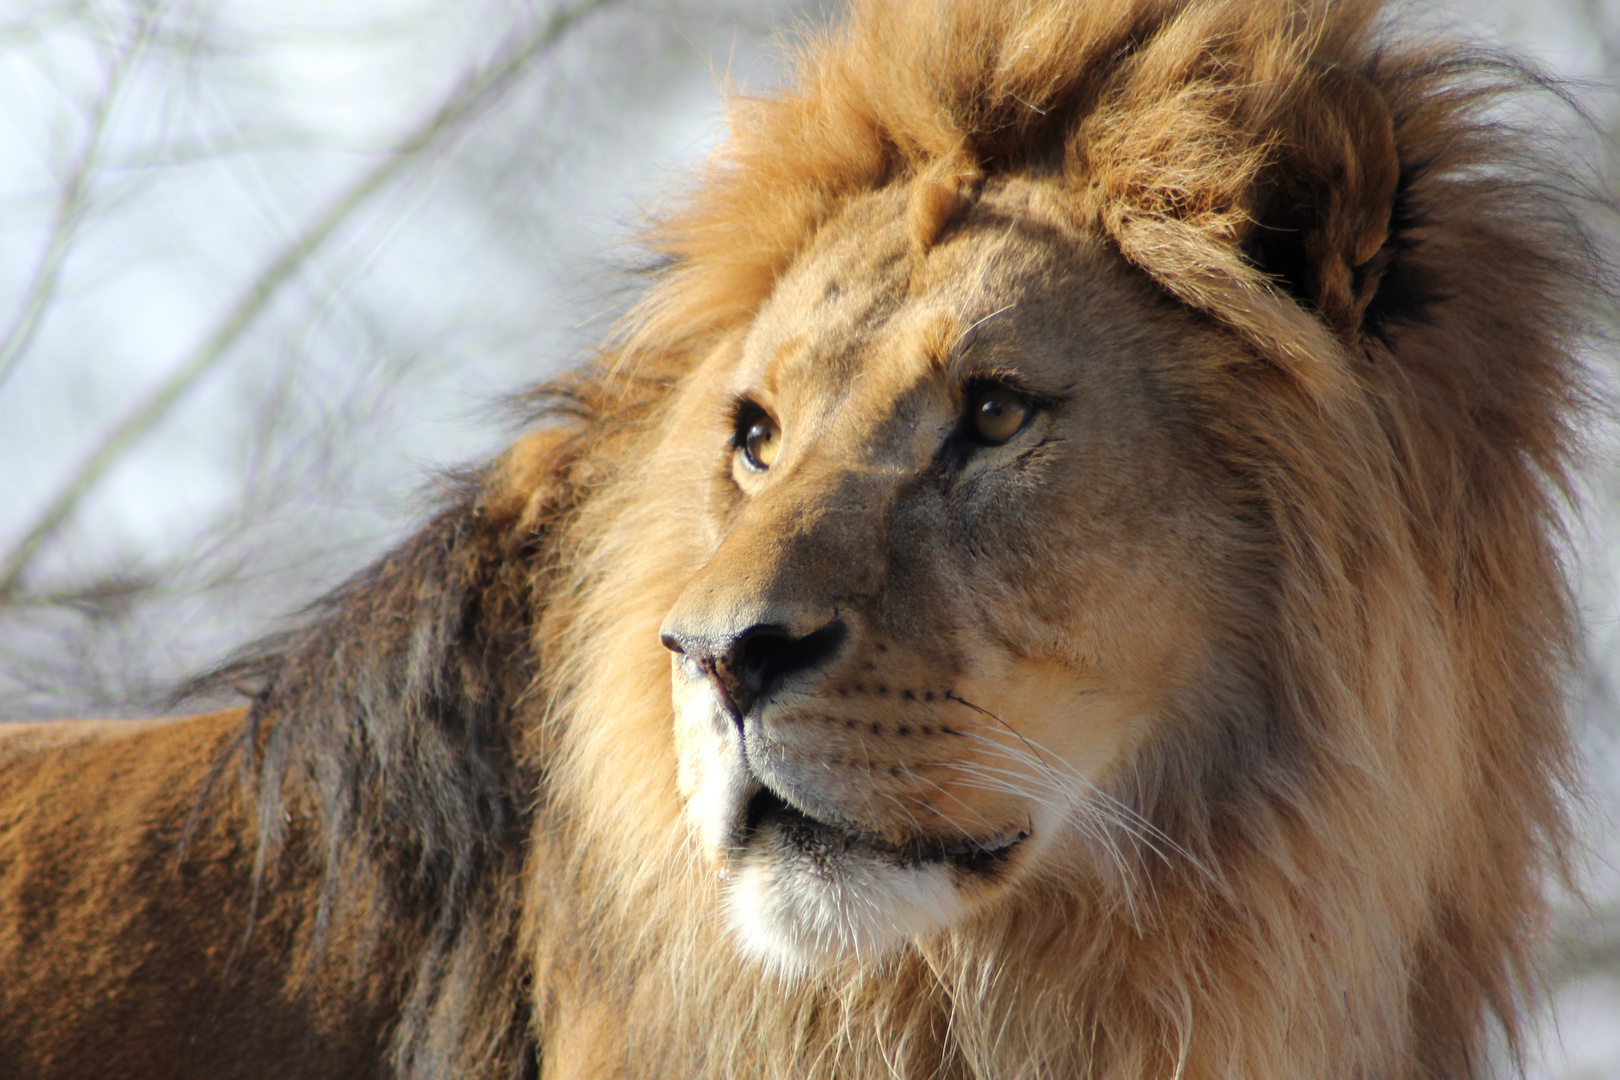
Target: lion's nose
pixel 748 664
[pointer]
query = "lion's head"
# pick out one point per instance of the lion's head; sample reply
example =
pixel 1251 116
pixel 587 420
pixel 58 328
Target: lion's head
pixel 1063 579
pixel 969 555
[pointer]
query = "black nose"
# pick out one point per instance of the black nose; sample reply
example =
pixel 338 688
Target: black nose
pixel 748 665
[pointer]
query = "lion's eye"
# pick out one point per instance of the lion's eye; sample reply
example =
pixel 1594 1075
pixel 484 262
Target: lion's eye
pixel 999 414
pixel 760 443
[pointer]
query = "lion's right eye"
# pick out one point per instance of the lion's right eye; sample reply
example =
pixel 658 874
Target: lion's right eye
pixel 760 443
pixel 997 414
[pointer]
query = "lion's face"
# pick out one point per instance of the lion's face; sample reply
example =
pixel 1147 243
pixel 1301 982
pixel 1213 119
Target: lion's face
pixel 965 563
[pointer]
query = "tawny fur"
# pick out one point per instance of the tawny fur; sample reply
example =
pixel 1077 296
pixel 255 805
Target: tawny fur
pixel 473 740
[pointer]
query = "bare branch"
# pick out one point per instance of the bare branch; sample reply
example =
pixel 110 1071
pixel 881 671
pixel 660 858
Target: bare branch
pixel 471 95
pixel 72 202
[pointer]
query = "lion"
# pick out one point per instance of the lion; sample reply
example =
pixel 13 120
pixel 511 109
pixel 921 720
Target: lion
pixel 1059 577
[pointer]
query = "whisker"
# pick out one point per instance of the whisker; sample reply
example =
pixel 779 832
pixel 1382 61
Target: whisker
pixel 1055 778
pixel 986 712
pixel 915 824
pixel 1064 780
pixel 963 336
pixel 1091 819
pixel 950 819
pixel 1120 813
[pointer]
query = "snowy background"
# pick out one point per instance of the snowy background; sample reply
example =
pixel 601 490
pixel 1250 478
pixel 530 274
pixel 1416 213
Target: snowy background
pixel 266 265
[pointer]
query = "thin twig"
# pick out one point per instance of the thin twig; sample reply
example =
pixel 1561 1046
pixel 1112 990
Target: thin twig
pixel 71 204
pixel 469 96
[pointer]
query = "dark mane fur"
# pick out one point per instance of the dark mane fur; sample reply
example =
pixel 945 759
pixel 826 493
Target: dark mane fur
pixel 390 708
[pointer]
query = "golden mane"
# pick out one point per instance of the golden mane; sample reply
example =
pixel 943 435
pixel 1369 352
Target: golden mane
pixel 459 771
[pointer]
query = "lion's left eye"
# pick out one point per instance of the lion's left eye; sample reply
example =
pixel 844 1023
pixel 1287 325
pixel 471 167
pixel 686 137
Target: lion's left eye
pixel 998 414
pixel 760 443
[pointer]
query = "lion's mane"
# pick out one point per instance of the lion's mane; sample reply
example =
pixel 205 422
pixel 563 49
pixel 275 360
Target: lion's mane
pixel 1360 884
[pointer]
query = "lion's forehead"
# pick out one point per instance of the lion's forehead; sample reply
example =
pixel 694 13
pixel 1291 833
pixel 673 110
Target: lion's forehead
pixel 866 318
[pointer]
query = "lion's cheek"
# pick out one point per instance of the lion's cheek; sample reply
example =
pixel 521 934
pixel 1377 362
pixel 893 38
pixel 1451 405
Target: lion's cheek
pixel 1046 745
pixel 1088 690
pixel 1047 708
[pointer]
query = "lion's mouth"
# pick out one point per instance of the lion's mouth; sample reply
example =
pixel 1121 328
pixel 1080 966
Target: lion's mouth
pixel 826 842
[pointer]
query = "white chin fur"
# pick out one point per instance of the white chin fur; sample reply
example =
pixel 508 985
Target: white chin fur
pixel 797 917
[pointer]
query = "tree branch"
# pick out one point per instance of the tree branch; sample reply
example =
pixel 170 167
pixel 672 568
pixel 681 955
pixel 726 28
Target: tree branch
pixel 469 96
pixel 72 202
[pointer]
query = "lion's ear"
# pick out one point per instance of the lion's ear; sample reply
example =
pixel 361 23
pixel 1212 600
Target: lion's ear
pixel 1321 209
pixel 1261 197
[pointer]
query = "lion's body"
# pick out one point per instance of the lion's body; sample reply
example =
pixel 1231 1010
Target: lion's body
pixel 1093 469
pixel 126 960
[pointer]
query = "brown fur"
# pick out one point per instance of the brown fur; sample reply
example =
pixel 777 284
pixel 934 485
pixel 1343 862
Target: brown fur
pixel 124 960
pixel 1323 495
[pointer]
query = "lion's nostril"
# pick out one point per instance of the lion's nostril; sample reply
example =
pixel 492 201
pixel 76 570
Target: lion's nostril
pixel 745 665
pixel 761 654
pixel 749 664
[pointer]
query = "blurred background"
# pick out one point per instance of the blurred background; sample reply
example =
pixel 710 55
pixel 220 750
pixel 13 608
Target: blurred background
pixel 267 265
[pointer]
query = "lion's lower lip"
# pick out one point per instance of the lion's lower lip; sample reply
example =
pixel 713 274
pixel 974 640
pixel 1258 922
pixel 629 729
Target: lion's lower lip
pixel 813 835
